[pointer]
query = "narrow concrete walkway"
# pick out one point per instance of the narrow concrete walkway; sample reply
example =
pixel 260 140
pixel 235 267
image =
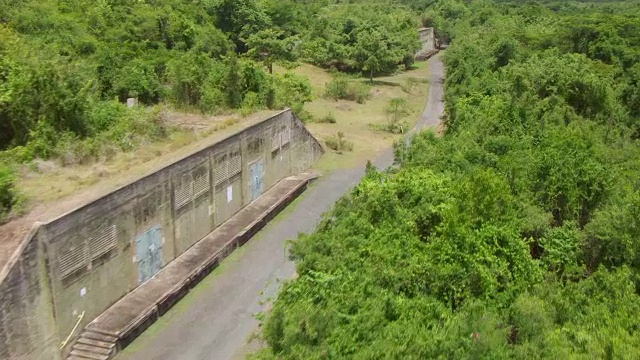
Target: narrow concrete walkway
pixel 215 320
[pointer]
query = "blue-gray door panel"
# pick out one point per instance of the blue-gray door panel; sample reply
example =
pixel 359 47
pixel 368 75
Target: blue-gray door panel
pixel 149 253
pixel 257 183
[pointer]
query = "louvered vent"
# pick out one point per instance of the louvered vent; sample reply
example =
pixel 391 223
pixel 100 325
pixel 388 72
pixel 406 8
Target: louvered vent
pixel 235 165
pixel 275 141
pixel 285 137
pixel 72 260
pixel 227 169
pixel 220 172
pixel 201 184
pixel 183 194
pixel 105 241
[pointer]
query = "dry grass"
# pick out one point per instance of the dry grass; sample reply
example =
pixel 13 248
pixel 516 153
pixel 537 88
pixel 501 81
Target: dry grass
pixel 354 119
pixel 48 181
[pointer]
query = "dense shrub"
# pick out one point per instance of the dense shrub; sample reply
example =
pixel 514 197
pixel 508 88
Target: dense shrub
pixel 8 196
pixel 329 118
pixel 515 234
pixel 339 143
pixel 342 88
pixel 371 38
pixel 291 90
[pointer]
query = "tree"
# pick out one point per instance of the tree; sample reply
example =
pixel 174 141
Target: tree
pixel 238 19
pixel 234 83
pixel 271 46
pixel 372 53
pixel 514 234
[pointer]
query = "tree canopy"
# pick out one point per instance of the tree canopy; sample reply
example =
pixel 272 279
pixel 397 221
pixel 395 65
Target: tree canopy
pixel 513 235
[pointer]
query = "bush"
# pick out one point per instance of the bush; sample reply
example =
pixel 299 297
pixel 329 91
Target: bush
pixel 341 88
pixel 104 114
pixel 8 195
pixel 327 119
pixel 337 88
pixel 339 143
pixel 396 109
pixel 410 85
pixel 187 75
pixel 292 90
pixel 360 92
pixel 137 79
pixel 213 100
pixel 141 124
pixel 302 114
pixel 250 104
pixel 79 152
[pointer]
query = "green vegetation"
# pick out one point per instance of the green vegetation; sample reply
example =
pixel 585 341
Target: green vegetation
pixel 342 88
pixel 339 143
pixel 368 38
pixel 396 110
pixel 327 119
pixel 8 196
pixel 68 66
pixel 514 235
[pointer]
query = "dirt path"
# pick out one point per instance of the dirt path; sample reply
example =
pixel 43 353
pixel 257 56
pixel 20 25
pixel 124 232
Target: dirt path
pixel 215 320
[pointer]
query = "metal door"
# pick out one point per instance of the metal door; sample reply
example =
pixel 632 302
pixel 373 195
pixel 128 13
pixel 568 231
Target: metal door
pixel 257 184
pixel 149 253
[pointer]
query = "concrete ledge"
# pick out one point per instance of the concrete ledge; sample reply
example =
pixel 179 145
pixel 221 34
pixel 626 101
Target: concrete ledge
pixel 426 55
pixel 136 311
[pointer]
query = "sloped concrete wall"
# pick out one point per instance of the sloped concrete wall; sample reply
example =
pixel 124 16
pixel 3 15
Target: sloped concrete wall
pixel 27 328
pixel 76 266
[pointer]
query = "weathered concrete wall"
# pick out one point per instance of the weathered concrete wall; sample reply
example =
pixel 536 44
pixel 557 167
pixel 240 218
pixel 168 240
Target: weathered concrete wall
pixel 27 328
pixel 83 262
pixel 428 39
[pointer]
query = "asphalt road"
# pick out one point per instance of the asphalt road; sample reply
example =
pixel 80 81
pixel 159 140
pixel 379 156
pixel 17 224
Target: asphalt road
pixel 215 320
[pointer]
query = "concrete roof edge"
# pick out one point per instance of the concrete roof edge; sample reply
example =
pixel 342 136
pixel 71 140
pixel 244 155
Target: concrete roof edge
pixel 8 266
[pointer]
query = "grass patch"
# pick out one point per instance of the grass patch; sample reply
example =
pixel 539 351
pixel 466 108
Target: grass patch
pixel 358 121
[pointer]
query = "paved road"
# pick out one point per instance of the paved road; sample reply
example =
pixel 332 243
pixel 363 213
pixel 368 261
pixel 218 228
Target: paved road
pixel 215 320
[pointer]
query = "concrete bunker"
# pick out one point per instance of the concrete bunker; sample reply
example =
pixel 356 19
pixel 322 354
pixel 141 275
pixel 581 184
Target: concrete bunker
pixel 67 271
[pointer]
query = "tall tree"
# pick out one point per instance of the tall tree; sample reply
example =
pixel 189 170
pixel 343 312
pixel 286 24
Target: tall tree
pixel 271 46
